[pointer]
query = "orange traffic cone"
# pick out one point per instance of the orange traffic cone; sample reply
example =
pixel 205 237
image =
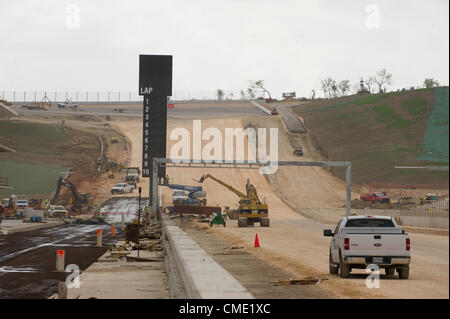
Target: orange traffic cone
pixel 256 241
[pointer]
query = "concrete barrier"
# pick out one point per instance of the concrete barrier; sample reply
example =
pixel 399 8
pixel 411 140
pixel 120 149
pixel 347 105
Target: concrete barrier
pixel 30 212
pixel 192 272
pixel 262 108
pixel 438 220
pixel 424 221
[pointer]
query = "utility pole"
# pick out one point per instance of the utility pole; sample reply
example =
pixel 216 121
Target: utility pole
pixel 139 221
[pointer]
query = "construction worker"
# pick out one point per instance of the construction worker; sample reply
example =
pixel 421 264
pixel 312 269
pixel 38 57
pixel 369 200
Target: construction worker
pixel 99 216
pixel 147 214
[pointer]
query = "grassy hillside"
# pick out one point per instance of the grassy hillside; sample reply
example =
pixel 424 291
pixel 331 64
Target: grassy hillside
pixel 380 131
pixel 42 150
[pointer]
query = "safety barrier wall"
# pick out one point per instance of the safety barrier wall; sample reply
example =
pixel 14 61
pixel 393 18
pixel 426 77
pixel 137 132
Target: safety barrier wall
pixel 192 272
pixel 262 108
pixel 416 218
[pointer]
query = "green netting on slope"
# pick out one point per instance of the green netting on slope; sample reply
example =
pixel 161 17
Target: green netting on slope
pixel 435 146
pixel 29 178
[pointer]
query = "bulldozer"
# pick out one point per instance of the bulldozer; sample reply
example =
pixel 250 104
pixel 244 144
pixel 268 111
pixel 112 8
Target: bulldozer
pixel 250 210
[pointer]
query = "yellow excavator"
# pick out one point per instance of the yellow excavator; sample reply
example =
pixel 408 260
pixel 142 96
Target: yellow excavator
pixel 251 210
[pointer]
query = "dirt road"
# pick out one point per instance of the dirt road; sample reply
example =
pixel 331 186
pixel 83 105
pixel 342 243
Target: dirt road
pixel 294 242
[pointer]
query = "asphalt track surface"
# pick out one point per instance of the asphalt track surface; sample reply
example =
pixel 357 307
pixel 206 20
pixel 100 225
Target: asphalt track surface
pixel 184 110
pixel 113 209
pixel 28 259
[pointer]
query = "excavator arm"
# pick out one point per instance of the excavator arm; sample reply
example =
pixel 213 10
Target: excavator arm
pixel 72 187
pixel 64 182
pixel 231 188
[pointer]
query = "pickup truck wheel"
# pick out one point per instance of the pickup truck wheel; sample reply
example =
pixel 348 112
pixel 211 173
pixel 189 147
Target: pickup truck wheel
pixel 403 272
pixel 344 270
pixel 389 271
pixel 334 269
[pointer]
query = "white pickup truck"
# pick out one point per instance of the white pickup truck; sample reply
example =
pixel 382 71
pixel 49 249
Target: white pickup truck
pixel 121 188
pixel 359 241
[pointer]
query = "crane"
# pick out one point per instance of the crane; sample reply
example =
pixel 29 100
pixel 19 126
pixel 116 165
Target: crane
pixel 250 209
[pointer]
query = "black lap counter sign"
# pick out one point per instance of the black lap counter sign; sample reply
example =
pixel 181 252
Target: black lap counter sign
pixel 155 84
pixel 154 133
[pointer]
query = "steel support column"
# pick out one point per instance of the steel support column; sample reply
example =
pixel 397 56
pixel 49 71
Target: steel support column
pixel 154 189
pixel 348 189
pixel 245 165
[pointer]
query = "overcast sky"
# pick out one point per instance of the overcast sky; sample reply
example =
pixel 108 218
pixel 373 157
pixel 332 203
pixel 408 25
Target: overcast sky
pixel 220 44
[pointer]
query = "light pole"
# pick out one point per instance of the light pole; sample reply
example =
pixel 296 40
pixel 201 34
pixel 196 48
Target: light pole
pixel 139 220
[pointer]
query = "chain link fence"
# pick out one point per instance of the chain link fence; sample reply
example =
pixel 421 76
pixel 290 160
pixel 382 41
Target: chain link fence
pixel 112 96
pixel 431 207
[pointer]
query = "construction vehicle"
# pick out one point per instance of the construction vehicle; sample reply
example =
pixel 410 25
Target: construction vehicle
pixel 5 102
pixel 9 207
pixel 218 219
pixel 34 107
pixel 67 104
pixel 122 188
pixel 298 151
pixel 405 200
pixel 44 104
pixel 373 197
pixel 58 211
pixel 429 198
pixel 251 210
pixel 196 195
pixel 78 200
pixel 132 175
pixel 12 205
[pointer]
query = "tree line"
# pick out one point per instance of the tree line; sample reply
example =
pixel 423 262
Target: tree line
pixel 331 88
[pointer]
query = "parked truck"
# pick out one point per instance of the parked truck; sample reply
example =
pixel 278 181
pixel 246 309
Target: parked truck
pixel 132 175
pixel 359 241
pixel 67 104
pixel 375 197
pixel 122 188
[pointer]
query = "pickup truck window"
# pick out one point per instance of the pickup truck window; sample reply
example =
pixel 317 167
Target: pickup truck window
pixel 369 222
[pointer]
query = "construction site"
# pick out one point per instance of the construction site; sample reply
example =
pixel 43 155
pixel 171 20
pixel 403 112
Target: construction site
pixel 209 207
pixel 326 179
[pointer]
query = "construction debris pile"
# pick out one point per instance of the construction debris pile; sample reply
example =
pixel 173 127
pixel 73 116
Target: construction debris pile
pixel 301 281
pixel 143 238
